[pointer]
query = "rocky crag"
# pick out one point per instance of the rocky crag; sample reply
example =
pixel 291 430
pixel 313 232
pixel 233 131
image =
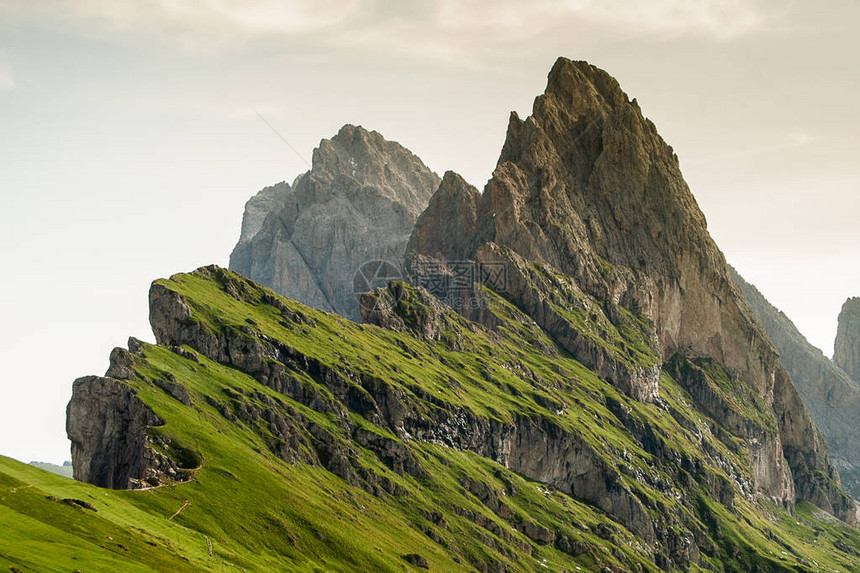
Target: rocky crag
pixel 847 346
pixel 831 397
pixel 586 187
pixel 357 204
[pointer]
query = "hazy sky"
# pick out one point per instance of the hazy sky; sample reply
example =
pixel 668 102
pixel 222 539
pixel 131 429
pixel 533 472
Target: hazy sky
pixel 130 142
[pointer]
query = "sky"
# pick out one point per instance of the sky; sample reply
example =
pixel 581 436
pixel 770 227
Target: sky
pixel 130 141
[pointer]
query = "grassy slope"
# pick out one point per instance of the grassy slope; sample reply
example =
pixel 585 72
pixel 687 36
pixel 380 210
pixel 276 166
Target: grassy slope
pixel 260 513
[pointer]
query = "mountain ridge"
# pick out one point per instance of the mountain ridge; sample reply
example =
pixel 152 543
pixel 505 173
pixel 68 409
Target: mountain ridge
pixel 568 380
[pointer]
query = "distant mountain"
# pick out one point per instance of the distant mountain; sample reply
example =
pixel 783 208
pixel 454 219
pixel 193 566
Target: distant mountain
pixel 847 355
pixel 64 470
pixel 356 205
pixel 828 392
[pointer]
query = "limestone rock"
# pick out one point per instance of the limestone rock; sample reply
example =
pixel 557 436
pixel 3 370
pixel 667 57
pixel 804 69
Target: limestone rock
pixel 831 397
pixel 448 227
pixel 847 354
pixel 259 206
pixel 587 187
pixel 357 204
pixel 106 423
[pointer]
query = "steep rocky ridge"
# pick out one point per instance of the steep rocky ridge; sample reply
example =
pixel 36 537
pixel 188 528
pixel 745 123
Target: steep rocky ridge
pixel 831 397
pixel 586 187
pixel 427 419
pixel 847 346
pixel 357 204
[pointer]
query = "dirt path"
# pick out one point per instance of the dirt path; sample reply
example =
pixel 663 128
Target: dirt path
pixel 178 511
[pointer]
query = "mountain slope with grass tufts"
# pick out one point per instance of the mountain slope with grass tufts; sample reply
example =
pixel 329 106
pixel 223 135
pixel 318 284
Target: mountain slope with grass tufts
pixel 293 438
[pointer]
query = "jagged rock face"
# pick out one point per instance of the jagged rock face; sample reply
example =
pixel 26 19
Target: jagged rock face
pixel 107 425
pixel 847 355
pixel 831 397
pixel 448 227
pixel 535 448
pixel 357 204
pixel 258 208
pixel 588 187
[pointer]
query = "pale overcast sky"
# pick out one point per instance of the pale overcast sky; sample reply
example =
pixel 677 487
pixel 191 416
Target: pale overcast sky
pixel 130 142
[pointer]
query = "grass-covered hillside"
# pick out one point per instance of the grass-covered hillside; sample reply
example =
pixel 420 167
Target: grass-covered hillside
pixel 289 439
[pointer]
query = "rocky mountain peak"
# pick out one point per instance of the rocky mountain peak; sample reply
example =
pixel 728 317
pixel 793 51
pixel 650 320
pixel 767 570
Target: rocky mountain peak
pixel 455 205
pixel 371 160
pixel 580 85
pixel 847 347
pixel 259 206
pixel 590 215
pixel 586 185
pixel 357 204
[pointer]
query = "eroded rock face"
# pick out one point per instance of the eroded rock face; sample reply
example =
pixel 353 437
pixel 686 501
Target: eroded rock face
pixel 357 204
pixel 258 208
pixel 847 354
pixel 829 394
pixel 586 186
pixel 539 449
pixel 448 228
pixel 107 425
pixel 443 380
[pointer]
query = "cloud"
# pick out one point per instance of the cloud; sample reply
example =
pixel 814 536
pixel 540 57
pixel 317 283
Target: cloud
pixel 449 30
pixel 254 17
pixel 7 80
pixel 719 19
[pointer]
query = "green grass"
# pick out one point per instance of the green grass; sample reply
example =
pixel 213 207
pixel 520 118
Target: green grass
pixel 259 512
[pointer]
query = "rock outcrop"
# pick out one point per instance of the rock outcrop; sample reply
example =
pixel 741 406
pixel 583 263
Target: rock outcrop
pixel 357 204
pixel 448 227
pixel 107 425
pixel 847 346
pixel 829 394
pixel 587 187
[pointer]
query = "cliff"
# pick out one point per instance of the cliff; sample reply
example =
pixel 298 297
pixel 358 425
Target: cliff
pixel 831 397
pixel 847 346
pixel 357 204
pixel 440 440
pixel 571 380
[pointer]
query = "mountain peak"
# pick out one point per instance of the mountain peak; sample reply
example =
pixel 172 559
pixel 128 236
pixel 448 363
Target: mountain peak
pixel 582 86
pixel 588 190
pixel 847 346
pixel 357 204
